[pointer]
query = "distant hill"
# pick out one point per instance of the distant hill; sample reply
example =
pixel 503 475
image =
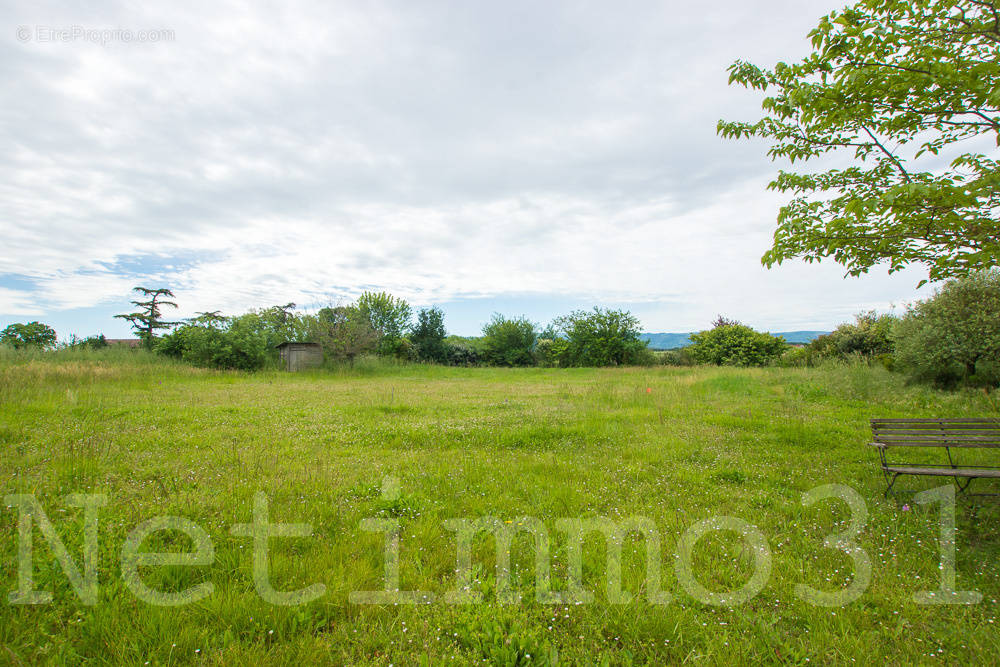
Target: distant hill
pixel 666 341
pixel 670 341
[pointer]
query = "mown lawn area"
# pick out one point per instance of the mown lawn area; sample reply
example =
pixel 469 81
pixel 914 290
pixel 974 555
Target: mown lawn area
pixel 674 446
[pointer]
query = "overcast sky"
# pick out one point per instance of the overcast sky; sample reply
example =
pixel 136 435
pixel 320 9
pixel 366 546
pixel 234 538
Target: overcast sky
pixel 525 157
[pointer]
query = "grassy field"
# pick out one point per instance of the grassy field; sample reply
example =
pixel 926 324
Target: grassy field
pixel 676 446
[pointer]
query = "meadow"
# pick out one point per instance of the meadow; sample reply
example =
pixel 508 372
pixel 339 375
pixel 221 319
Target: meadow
pixel 528 447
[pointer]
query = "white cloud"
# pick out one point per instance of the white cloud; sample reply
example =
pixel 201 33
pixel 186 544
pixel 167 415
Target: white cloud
pixel 306 151
pixel 18 302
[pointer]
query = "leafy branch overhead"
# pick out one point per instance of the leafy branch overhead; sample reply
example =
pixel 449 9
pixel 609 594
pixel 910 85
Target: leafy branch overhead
pixel 910 89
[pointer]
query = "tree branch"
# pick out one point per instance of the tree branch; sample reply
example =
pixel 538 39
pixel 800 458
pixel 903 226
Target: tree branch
pixel 895 160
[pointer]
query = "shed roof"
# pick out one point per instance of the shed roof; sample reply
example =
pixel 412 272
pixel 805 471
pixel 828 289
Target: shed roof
pixel 129 342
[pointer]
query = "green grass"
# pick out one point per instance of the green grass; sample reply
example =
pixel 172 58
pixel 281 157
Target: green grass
pixel 674 445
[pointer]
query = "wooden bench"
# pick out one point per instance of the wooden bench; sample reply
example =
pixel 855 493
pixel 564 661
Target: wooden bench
pixel 943 433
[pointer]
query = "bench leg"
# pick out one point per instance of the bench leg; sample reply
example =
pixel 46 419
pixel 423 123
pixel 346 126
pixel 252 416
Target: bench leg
pixel 890 483
pixel 963 487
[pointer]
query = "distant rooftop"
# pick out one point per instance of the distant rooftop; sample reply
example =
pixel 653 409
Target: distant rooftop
pixel 127 342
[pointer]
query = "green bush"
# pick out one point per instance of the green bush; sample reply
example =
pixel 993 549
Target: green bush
pixel 953 337
pixel 389 316
pixel 681 356
pixel 30 335
pixel 275 324
pixel 796 357
pixel 643 356
pixel 736 345
pixel 551 352
pixel 428 334
pixel 89 343
pixel 403 350
pixel 343 332
pixel 869 336
pixel 603 337
pixel 509 341
pixel 237 345
pixel 463 351
pixel 463 355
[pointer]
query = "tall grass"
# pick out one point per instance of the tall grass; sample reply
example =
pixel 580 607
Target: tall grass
pixel 113 354
pixel 675 445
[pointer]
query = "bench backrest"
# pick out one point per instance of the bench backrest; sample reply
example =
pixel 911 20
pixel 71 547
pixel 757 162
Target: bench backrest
pixel 936 432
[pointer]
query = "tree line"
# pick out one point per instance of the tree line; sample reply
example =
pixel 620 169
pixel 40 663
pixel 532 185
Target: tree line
pixel 950 339
pixel 381 324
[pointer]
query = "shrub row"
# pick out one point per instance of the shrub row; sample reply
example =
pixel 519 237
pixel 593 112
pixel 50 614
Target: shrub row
pixel 950 339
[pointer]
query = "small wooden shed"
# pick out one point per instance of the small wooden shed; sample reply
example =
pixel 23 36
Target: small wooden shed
pixel 297 356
